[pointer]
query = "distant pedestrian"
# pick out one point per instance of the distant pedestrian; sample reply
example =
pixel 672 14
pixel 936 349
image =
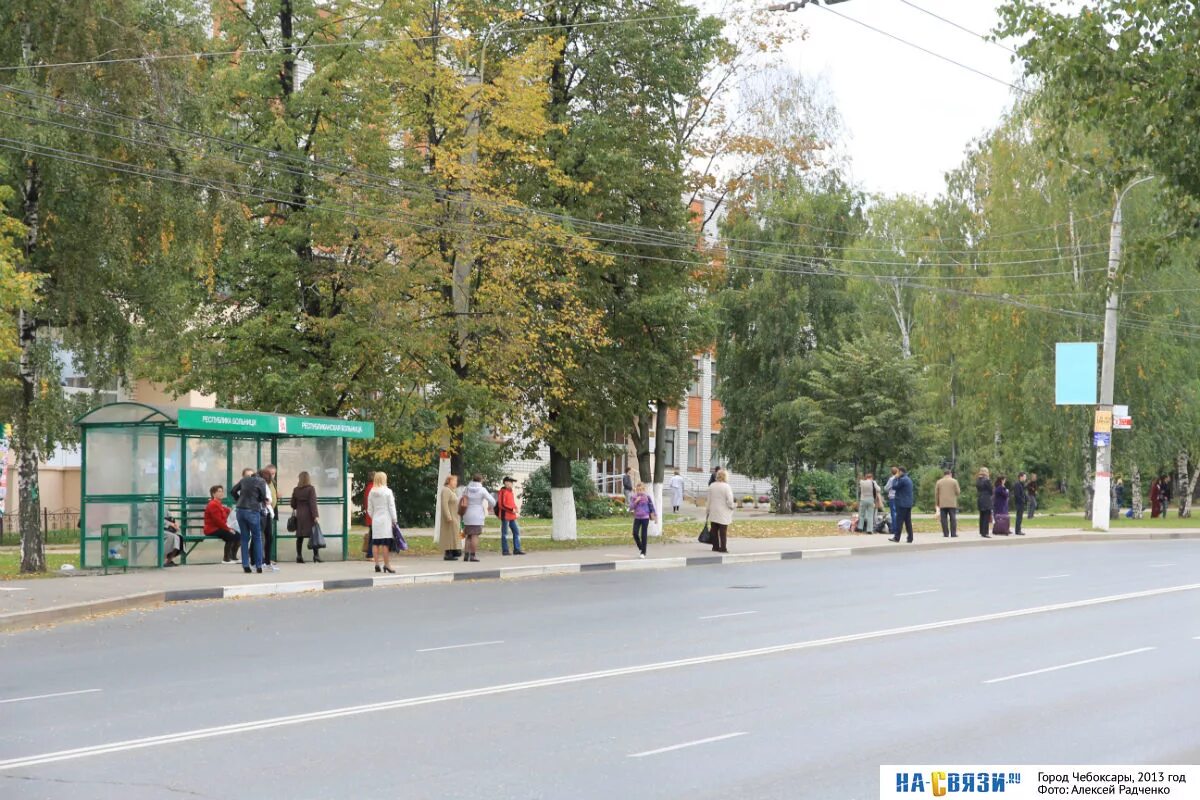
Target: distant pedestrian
pixel 450 526
pixel 1000 507
pixel 720 511
pixel 712 478
pixel 627 484
pixel 269 514
pixel 1119 491
pixel 479 501
pixel 216 523
pixel 1166 494
pixel 983 486
pixel 945 497
pixel 677 487
pixel 366 505
pixel 1031 493
pixel 868 500
pixel 890 489
pixel 903 486
pixel 1020 499
pixel 506 509
pixel 642 506
pixel 304 507
pixel 381 504
pixel 1156 497
pixel 250 493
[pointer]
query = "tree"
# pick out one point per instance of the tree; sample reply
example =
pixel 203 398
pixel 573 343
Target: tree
pixel 105 245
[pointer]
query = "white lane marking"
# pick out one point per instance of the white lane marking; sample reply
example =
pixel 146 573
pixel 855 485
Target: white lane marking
pixel 687 744
pixel 45 696
pixel 1169 564
pixel 457 646
pixel 17 589
pixel 733 614
pixel 563 680
pixel 1052 577
pixel 1067 666
pixel 911 594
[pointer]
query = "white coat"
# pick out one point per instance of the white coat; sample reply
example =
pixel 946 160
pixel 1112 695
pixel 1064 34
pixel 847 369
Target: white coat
pixel 381 505
pixel 479 500
pixel 676 485
pixel 720 503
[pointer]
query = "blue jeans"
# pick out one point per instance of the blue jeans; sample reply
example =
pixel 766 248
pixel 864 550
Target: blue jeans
pixel 892 508
pixel 505 524
pixel 250 525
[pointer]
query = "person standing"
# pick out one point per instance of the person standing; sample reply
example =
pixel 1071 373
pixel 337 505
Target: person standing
pixel 868 497
pixel 720 511
pixel 216 523
pixel 1031 493
pixel 945 498
pixel 506 507
pixel 890 488
pixel 269 514
pixel 1156 497
pixel 381 505
pixel 642 506
pixel 712 477
pixel 1020 498
pixel 250 493
pixel 1000 507
pixel 677 487
pixel 627 484
pixel 1119 492
pixel 304 506
pixel 903 487
pixel 449 527
pixel 479 501
pixel 1165 494
pixel 983 486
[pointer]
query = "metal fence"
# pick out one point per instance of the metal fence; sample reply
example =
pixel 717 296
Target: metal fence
pixel 64 522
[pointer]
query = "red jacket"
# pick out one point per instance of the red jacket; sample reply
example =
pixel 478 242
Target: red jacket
pixel 506 504
pixel 216 518
pixel 366 504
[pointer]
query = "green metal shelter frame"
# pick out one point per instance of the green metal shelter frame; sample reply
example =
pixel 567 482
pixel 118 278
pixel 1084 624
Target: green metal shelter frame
pixel 141 463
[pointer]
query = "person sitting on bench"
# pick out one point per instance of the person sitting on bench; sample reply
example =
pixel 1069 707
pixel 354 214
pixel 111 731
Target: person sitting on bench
pixel 173 541
pixel 216 523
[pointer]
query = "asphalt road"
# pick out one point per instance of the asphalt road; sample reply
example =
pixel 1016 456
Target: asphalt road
pixel 782 680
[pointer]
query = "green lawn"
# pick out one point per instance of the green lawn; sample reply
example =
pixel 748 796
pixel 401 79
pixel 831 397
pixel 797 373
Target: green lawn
pixel 10 564
pixel 1077 521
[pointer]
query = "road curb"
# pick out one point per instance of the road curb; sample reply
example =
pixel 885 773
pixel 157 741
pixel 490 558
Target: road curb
pixel 27 619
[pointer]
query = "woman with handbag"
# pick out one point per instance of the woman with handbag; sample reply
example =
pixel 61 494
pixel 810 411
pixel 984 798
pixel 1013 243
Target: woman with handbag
pixel 449 525
pixel 478 501
pixel 642 506
pixel 1000 507
pixel 304 515
pixel 720 510
pixel 381 505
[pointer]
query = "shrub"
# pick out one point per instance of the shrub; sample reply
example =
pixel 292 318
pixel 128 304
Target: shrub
pixel 839 505
pixel 820 485
pixel 764 499
pixel 748 499
pixel 589 504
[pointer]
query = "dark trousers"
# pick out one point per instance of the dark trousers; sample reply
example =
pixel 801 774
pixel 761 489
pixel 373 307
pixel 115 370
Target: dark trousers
pixel 985 519
pixel 719 533
pixel 903 520
pixel 1020 513
pixel 267 521
pixel 642 525
pixel 949 517
pixel 1032 505
pixel 231 540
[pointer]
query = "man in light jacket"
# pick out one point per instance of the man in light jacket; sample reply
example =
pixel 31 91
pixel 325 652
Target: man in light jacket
pixel 720 510
pixel 945 498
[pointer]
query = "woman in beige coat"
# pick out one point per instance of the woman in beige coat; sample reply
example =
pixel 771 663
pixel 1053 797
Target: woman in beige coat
pixel 448 532
pixel 720 510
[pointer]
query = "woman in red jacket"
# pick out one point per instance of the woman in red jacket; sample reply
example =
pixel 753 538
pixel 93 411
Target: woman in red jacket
pixel 216 523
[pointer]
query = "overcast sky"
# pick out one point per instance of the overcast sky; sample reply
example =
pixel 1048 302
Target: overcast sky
pixel 908 115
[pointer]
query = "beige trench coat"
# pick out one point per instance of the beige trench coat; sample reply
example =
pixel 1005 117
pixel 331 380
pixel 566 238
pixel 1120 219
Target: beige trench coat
pixel 448 532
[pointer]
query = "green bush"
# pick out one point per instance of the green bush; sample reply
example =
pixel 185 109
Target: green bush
pixel 924 481
pixel 819 485
pixel 589 504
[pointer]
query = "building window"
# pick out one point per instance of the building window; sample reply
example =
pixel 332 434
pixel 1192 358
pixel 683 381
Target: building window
pixel 712 378
pixel 714 457
pixel 669 444
pixel 695 390
pixel 693 450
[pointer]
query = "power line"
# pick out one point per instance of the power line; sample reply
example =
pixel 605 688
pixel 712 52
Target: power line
pixel 962 28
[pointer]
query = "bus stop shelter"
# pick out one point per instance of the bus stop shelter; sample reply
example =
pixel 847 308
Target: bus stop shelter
pixel 142 463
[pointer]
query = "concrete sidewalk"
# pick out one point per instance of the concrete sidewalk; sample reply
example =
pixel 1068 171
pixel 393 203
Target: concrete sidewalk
pixel 26 603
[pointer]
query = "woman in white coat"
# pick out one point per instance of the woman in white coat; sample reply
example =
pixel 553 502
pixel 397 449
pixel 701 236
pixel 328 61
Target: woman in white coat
pixel 381 506
pixel 479 500
pixel 720 510
pixel 676 484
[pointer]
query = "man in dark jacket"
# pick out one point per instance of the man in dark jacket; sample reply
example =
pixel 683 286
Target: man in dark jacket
pixel 251 494
pixel 983 485
pixel 904 505
pixel 1019 499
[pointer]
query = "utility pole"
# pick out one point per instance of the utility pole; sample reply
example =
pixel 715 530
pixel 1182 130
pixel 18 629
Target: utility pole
pixel 1101 499
pixel 796 5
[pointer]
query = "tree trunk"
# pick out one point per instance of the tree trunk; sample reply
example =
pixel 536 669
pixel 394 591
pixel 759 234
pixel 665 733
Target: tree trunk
pixel 1135 492
pixel 33 546
pixel 783 494
pixel 1186 511
pixel 660 465
pixel 563 526
pixel 1181 484
pixel 640 434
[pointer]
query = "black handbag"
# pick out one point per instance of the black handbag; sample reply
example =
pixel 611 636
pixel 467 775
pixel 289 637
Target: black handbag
pixel 706 536
pixel 292 524
pixel 317 540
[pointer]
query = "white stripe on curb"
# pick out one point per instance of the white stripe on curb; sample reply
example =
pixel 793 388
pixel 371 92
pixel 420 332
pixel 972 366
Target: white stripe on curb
pixel 261 589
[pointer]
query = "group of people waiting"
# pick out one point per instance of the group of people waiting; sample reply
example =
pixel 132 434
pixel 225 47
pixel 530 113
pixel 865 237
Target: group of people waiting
pixel 992 502
pixel 720 508
pixel 250 523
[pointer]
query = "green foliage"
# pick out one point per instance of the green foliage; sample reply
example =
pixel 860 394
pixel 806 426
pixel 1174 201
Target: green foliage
pixel 924 480
pixel 820 485
pixel 589 504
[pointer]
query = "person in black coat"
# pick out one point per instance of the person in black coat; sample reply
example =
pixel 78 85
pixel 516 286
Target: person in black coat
pixel 1019 498
pixel 983 485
